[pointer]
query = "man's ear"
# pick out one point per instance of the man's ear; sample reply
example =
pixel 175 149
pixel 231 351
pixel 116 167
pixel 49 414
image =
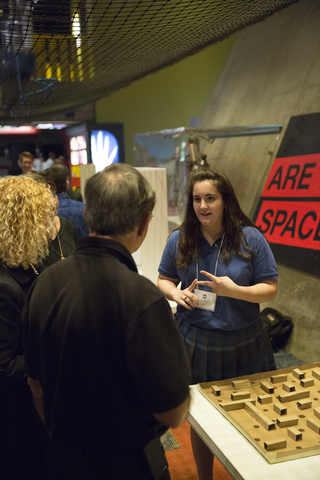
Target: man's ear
pixel 144 224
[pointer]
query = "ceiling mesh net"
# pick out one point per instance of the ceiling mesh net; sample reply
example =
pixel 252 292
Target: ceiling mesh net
pixel 59 54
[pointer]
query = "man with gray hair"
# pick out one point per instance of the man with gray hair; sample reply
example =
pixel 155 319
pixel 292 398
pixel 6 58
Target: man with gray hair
pixel 104 357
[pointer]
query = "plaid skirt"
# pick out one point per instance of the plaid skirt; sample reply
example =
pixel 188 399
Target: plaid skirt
pixel 219 354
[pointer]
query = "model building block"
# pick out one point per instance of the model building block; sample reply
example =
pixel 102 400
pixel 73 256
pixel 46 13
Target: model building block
pixel 307 382
pixel 267 387
pixel 216 390
pixel 316 412
pixel 314 425
pixel 279 378
pixel 275 444
pixel 263 399
pixel 298 373
pixel 294 434
pixel 279 409
pixel 245 383
pixel 288 387
pixel 316 373
pixel 290 397
pixel 287 421
pixel 259 417
pixel 304 404
pixel 237 405
pixel 240 395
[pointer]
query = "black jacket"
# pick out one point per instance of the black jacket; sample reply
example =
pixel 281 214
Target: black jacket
pixel 14 286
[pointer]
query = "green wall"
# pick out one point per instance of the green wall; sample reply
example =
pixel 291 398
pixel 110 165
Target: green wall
pixel 169 98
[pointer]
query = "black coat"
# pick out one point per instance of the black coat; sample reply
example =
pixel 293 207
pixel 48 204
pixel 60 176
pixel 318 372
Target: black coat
pixel 23 438
pixel 14 286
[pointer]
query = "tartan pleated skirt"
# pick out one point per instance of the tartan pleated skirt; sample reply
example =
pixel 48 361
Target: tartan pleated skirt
pixel 219 354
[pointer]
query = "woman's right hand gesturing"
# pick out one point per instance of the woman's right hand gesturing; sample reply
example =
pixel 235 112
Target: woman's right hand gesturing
pixel 186 298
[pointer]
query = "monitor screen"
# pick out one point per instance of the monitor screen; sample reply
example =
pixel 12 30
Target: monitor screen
pixel 78 150
pixel 104 149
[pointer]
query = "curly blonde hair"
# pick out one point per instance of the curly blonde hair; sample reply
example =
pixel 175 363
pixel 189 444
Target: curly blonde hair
pixel 26 220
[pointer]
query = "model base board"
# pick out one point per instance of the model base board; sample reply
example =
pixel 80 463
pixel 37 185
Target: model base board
pixel 282 426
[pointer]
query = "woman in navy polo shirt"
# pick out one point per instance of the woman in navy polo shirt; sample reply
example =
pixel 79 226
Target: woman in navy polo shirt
pixel 226 268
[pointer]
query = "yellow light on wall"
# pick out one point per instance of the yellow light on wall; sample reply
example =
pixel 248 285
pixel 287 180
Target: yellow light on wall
pixel 76 30
pixel 48 70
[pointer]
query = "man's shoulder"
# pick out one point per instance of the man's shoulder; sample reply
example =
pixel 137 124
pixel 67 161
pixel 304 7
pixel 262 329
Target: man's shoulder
pixel 75 204
pixel 66 203
pixel 64 197
pixel 116 265
pixel 103 276
pixel 144 291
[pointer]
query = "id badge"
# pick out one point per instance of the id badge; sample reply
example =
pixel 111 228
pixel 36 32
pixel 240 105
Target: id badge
pixel 207 300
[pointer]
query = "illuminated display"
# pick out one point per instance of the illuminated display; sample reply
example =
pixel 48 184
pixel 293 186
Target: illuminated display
pixel 78 150
pixel 104 149
pixel 99 144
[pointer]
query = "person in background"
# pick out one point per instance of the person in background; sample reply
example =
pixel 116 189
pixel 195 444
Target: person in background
pixel 26 222
pixel 37 163
pixel 62 160
pixel 26 162
pixel 23 165
pixel 68 208
pixel 73 194
pixel 49 162
pixel 226 268
pixel 63 240
pixel 103 351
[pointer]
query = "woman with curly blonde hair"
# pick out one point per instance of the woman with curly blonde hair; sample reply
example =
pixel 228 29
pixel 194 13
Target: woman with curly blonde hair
pixel 63 238
pixel 26 214
pixel 26 222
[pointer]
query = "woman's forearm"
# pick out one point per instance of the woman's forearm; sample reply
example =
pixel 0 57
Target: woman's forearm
pixel 168 288
pixel 259 293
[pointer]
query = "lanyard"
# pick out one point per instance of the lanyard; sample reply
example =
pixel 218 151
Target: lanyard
pixel 215 270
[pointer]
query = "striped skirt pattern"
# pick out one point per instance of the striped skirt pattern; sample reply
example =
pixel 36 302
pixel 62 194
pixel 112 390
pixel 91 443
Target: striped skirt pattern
pixel 219 354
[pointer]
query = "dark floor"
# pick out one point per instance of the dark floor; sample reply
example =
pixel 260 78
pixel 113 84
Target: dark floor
pixel 286 360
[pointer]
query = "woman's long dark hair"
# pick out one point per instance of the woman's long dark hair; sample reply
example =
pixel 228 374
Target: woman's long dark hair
pixel 233 222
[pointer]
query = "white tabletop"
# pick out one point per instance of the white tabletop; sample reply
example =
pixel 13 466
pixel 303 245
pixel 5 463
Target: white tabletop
pixel 241 460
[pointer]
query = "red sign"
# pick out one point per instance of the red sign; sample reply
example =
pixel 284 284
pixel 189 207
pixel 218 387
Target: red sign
pixel 290 223
pixel 290 205
pixel 294 177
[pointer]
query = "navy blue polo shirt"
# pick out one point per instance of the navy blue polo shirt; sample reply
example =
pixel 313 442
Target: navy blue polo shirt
pixel 73 211
pixel 230 313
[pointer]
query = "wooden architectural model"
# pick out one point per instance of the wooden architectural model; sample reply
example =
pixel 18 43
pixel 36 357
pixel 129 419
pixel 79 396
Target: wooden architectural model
pixel 278 412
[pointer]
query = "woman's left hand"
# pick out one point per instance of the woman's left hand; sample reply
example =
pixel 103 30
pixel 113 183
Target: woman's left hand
pixel 225 287
pixel 221 286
